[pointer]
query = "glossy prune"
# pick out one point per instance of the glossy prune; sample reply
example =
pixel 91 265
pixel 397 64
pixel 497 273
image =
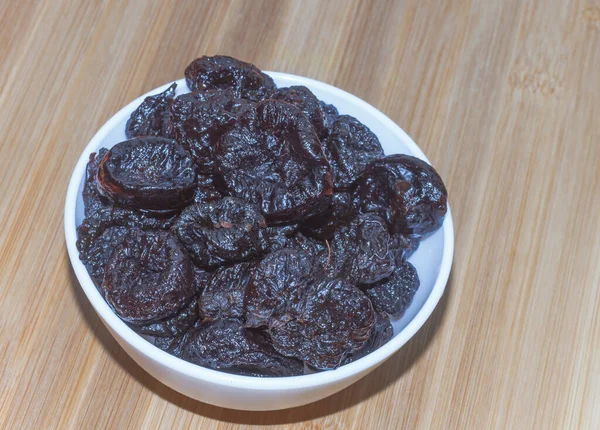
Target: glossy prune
pixel 174 325
pixel 96 255
pixel 148 173
pixel 404 245
pixel 206 190
pixel 227 345
pixel 406 191
pixel 323 323
pixel 339 212
pixel 349 148
pixel 225 293
pixel 394 294
pixel 305 100
pixel 148 278
pixel 222 72
pixel 360 251
pixel 331 113
pixel 381 334
pixel 274 280
pixel 272 157
pixel 221 231
pixel 92 199
pixel 151 118
pixel 199 119
pixel 276 237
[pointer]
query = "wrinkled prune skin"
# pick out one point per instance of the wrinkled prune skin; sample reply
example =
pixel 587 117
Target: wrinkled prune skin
pixel 273 282
pixel 201 280
pixel 151 118
pixel 92 199
pixel 323 323
pixel 350 147
pixel 220 232
pixel 394 294
pixel 277 237
pixel 361 252
pixel 305 100
pixel 273 157
pixel 331 113
pixel 406 191
pixel 339 212
pixel 228 346
pixel 206 190
pixel 381 334
pixel 224 296
pixel 222 72
pixel 148 173
pixel 175 325
pixel 404 245
pixel 199 119
pixel 148 278
pixel 96 255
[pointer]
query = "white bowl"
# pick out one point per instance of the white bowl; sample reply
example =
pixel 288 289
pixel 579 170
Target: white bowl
pixel 432 260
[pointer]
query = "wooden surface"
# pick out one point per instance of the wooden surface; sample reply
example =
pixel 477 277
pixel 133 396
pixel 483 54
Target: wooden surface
pixel 503 97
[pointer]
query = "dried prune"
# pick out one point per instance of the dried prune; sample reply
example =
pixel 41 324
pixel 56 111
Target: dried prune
pixel 305 100
pixel 273 157
pixel 404 245
pixel 323 323
pixel 151 118
pixel 96 255
pixel 206 190
pixel 394 294
pixel 171 326
pixel 406 191
pixel 92 199
pixel 360 251
pixel 199 119
pixel 148 173
pixel 273 281
pixel 201 280
pixel 323 226
pixel 148 278
pixel 381 334
pixel 277 237
pixel 331 113
pixel 224 296
pixel 349 148
pixel 219 232
pixel 221 72
pixel 227 345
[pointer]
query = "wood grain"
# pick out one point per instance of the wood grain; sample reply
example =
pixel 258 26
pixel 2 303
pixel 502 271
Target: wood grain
pixel 504 97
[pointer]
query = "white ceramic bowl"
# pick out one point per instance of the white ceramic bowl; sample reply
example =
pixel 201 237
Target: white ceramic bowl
pixel 433 260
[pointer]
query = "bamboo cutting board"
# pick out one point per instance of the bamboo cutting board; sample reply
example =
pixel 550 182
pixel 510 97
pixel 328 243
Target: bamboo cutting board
pixel 503 97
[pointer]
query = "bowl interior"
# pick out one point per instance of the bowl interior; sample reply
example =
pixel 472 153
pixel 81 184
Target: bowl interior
pixel 433 254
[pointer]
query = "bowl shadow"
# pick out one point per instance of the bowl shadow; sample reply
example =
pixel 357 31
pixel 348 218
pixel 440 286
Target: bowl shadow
pixel 378 380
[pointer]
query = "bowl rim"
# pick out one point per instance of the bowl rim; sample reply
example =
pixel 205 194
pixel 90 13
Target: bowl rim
pixel 145 348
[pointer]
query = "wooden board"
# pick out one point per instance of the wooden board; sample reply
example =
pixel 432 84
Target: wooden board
pixel 504 98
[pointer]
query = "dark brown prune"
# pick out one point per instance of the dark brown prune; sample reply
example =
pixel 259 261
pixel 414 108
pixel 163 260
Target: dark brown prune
pixel 339 212
pixel 201 280
pixel 224 296
pixel 148 278
pixel 360 251
pixel 381 334
pixel 349 148
pixel 404 245
pixel 272 283
pixel 406 191
pixel 331 113
pixel 277 237
pixel 206 190
pixel 305 100
pixel 92 199
pixel 323 323
pixel 171 326
pixel 151 118
pixel 272 157
pixel 199 119
pixel 101 220
pixel 220 232
pixel 222 72
pixel 148 173
pixel 227 346
pixel 394 295
pixel 96 255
